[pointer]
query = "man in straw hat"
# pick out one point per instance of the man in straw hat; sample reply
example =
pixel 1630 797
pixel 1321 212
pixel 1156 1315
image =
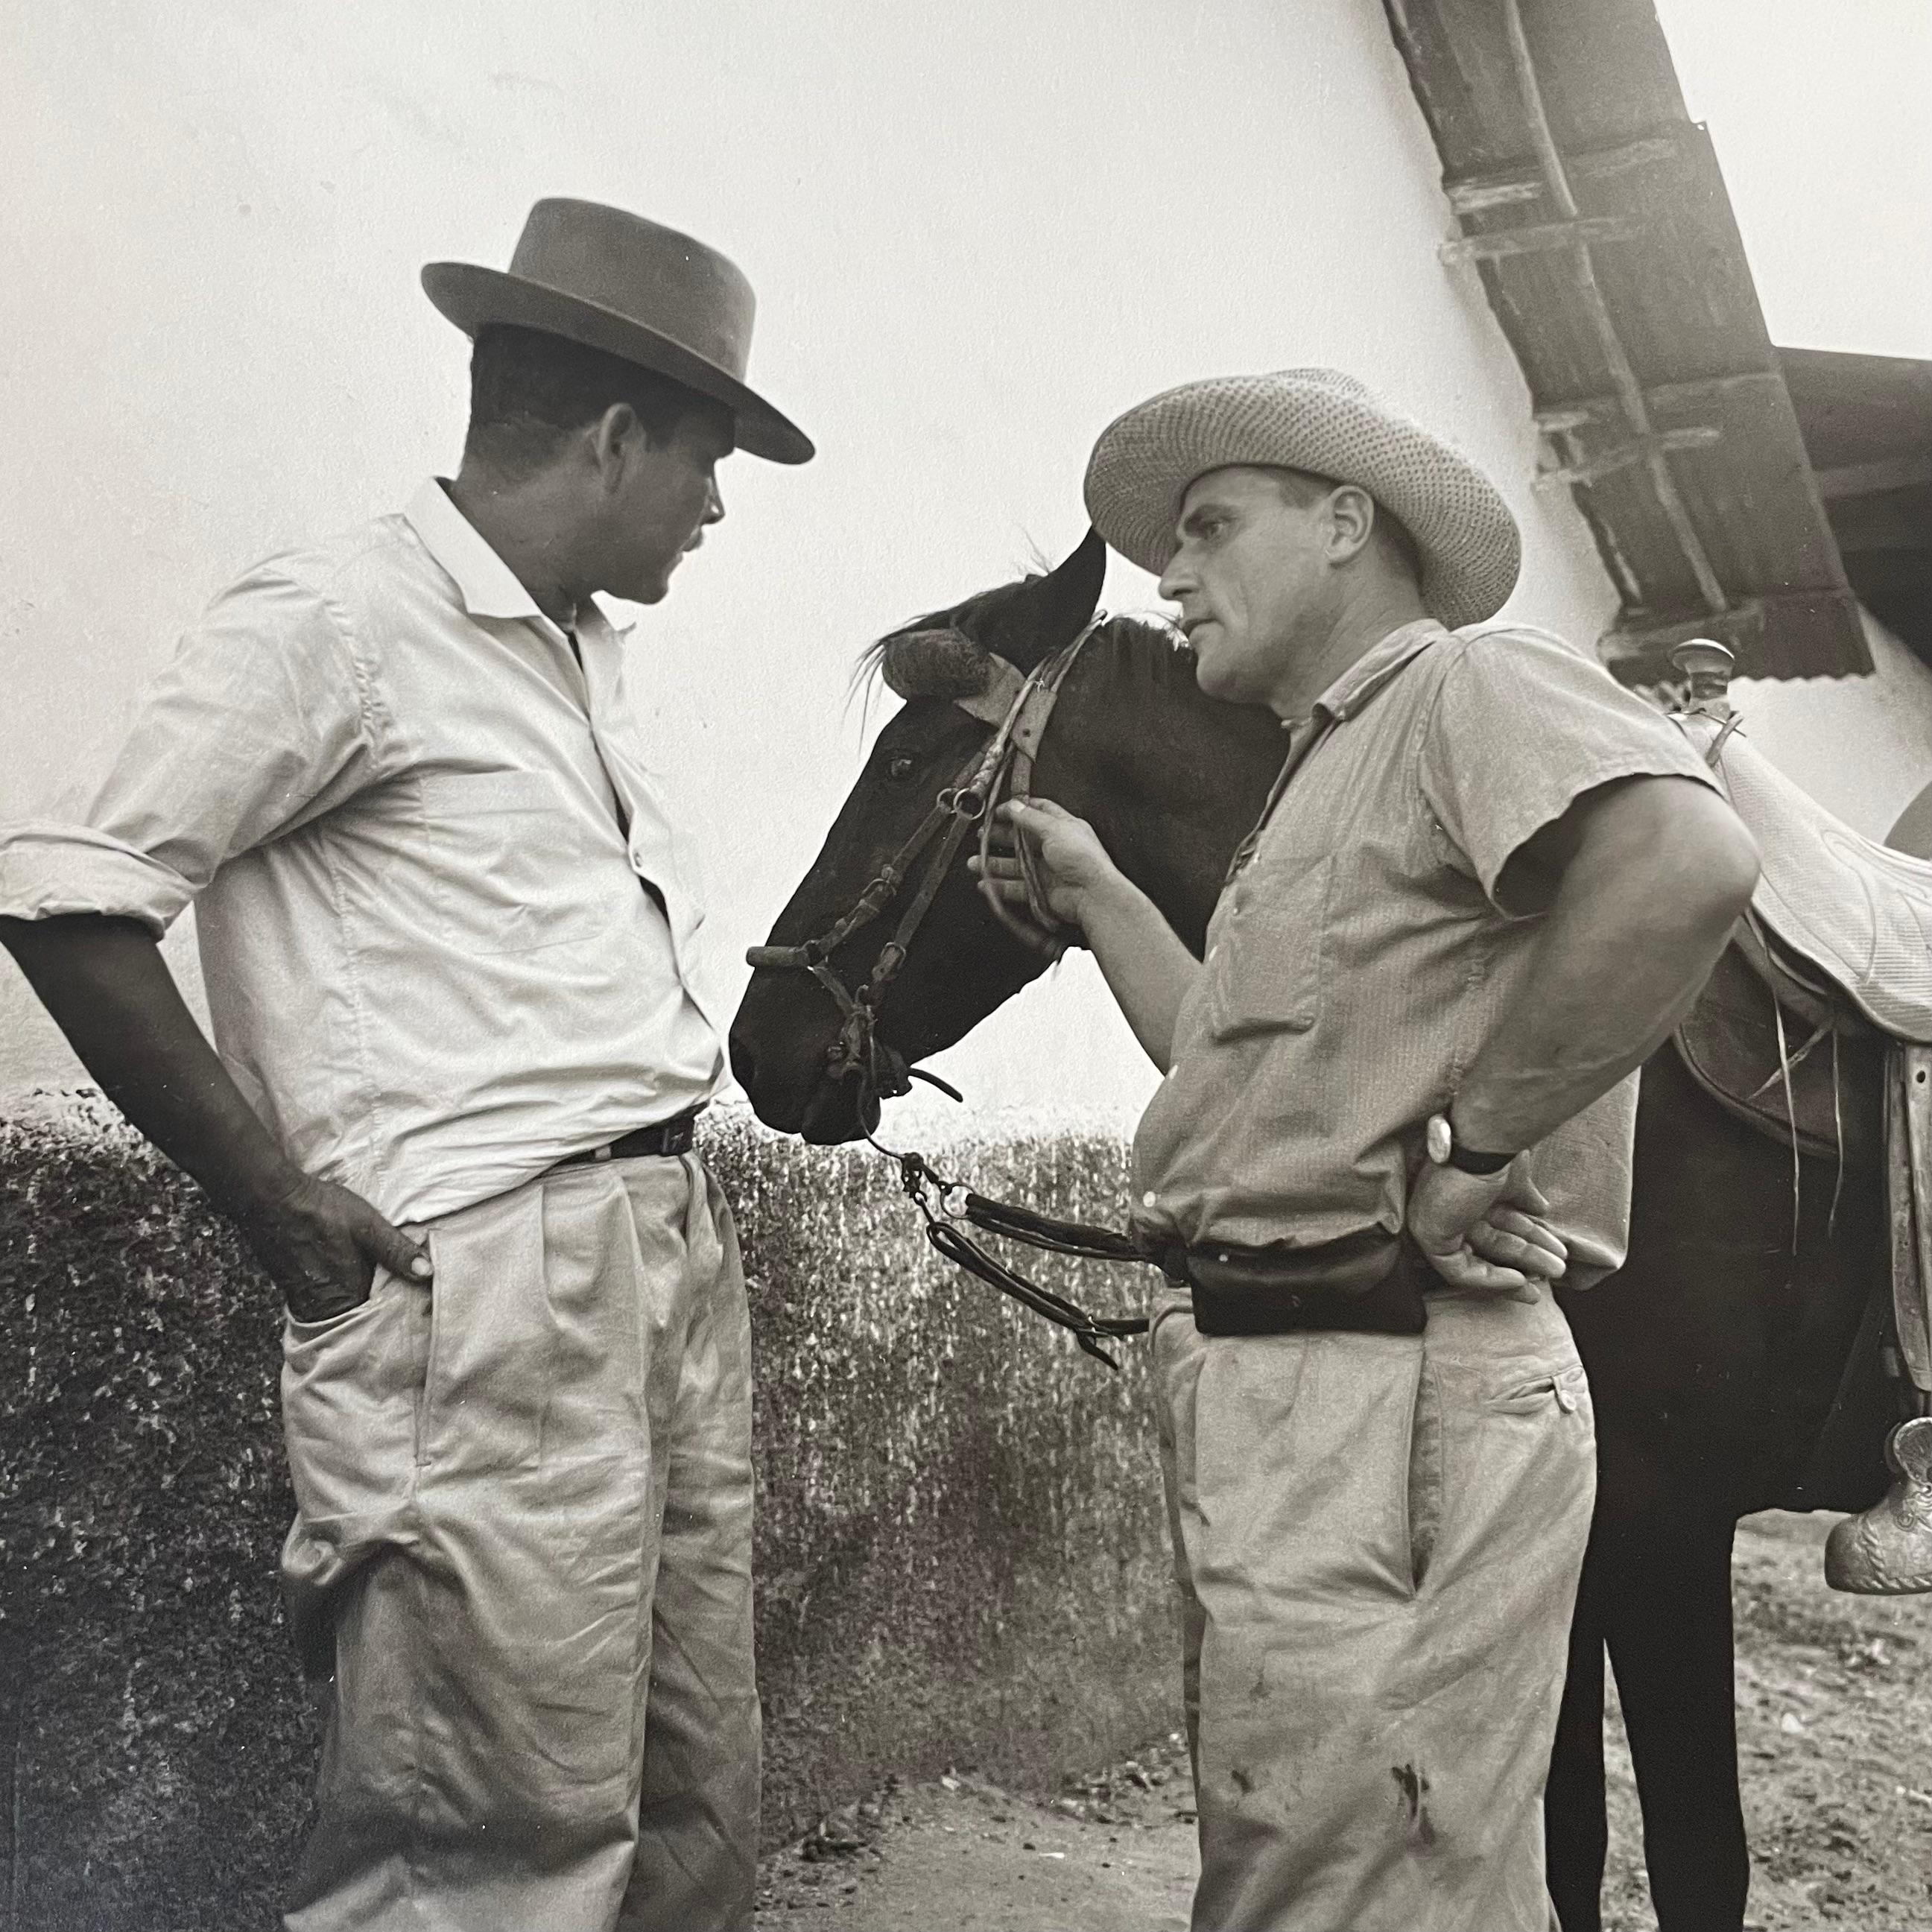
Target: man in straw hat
pixel 1487 883
pixel 447 926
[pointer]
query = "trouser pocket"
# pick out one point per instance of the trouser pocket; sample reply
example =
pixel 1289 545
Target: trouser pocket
pixel 1518 1470
pixel 1426 1475
pixel 350 1386
pixel 1565 1389
pixel 490 1374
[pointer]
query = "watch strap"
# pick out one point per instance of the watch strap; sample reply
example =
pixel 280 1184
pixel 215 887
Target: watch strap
pixel 1472 1160
pixel 1446 1151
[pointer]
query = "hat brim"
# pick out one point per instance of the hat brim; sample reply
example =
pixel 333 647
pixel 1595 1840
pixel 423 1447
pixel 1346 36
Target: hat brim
pixel 1146 461
pixel 473 297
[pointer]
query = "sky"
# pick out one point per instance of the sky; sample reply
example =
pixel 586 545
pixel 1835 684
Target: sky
pixel 1821 113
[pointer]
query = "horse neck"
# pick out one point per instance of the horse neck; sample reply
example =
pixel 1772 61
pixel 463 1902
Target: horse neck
pixel 1171 781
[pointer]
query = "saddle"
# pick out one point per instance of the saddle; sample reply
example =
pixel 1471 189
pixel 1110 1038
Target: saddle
pixel 1816 1028
pixel 1802 1075
pixel 1858 913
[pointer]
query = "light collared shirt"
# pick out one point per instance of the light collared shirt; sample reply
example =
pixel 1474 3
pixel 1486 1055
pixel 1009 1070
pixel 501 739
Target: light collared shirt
pixel 1358 959
pixel 448 932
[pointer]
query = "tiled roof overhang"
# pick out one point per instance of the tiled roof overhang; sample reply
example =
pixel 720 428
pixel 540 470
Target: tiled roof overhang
pixel 1867 422
pixel 1593 210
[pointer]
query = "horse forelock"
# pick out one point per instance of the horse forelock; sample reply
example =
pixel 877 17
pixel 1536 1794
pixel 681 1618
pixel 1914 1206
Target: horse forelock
pixel 935 659
pixel 936 663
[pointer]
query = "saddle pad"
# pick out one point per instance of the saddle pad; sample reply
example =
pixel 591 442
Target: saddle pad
pixel 1862 913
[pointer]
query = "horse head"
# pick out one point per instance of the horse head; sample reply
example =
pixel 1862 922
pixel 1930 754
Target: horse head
pixel 1169 779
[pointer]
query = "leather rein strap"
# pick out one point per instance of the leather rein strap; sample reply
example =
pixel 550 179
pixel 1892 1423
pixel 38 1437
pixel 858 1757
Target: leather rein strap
pixel 945 1204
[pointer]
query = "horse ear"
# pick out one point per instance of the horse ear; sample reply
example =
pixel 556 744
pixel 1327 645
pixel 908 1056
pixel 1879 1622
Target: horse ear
pixel 1052 610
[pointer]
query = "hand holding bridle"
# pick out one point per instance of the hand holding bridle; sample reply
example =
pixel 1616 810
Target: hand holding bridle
pixel 1068 860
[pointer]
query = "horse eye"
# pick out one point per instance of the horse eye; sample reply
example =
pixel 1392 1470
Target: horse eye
pixel 900 770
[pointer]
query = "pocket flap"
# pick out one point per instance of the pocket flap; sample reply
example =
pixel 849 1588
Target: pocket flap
pixel 1267 957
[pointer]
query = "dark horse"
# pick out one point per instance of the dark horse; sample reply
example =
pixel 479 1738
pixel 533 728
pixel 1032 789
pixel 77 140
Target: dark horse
pixel 1717 1354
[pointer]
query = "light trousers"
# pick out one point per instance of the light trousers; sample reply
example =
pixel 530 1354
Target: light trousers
pixel 1377 1539
pixel 523 1546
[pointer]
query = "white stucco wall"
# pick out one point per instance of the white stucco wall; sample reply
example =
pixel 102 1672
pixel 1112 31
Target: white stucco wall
pixel 1861 745
pixel 977 234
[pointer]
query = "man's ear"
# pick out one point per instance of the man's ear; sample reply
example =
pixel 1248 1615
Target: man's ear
pixel 616 437
pixel 1351 521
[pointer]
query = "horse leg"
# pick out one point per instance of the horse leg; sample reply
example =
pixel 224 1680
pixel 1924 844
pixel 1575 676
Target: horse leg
pixel 1575 1822
pixel 1669 1635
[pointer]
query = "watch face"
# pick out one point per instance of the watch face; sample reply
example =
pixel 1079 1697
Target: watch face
pixel 1437 1139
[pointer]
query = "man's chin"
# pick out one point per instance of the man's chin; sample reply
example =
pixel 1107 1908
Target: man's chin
pixel 648 586
pixel 1219 679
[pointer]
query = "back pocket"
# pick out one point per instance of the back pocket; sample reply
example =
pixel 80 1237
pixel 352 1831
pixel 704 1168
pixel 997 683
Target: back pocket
pixel 1567 1389
pixel 1266 961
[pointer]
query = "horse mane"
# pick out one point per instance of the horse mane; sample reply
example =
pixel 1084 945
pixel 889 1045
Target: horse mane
pixel 1149 649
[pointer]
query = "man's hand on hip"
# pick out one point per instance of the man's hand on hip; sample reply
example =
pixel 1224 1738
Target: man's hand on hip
pixel 109 990
pixel 1484 1233
pixel 322 1245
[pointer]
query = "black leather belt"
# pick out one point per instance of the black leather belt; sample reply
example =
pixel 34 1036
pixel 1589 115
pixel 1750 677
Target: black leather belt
pixel 672 1136
pixel 1370 1283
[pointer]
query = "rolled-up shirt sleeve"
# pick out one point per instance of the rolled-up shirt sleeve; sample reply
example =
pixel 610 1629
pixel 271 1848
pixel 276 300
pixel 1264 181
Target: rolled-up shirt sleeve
pixel 1523 725
pixel 263 721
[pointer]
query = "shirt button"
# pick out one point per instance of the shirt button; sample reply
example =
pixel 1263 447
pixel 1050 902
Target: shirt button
pixel 1149 1199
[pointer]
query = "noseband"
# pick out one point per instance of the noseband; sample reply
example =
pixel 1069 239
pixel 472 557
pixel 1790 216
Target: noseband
pixel 1019 708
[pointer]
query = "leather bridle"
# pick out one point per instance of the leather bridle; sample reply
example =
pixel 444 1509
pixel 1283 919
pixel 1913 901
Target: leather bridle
pixel 1019 708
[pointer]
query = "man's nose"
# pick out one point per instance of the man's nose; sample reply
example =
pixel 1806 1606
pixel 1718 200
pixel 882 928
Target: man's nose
pixel 714 505
pixel 1176 580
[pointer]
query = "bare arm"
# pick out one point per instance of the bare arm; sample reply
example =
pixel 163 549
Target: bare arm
pixel 1644 880
pixel 1148 968
pixel 109 990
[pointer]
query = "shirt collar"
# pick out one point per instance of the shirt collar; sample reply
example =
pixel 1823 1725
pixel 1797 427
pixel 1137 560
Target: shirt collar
pixel 490 589
pixel 1376 668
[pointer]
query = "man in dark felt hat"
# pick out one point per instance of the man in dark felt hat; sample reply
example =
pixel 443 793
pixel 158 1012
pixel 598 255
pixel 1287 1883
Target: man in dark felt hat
pixel 462 1027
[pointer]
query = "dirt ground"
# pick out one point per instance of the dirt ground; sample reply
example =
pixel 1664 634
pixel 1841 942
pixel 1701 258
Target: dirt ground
pixel 1834 1717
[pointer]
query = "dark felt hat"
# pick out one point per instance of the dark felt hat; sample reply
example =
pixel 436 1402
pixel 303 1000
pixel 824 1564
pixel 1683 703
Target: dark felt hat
pixel 614 281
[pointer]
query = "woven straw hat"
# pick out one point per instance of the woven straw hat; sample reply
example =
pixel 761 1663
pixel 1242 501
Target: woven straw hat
pixel 1324 422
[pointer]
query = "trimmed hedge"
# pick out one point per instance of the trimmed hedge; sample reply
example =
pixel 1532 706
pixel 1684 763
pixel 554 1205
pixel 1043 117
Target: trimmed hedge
pixel 961 1543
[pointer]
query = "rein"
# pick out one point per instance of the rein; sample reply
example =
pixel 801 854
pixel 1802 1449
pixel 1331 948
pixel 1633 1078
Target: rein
pixel 1019 708
pixel 944 1204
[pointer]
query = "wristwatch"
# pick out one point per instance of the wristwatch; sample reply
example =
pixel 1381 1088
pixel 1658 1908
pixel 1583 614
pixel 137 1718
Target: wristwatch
pixel 1446 1151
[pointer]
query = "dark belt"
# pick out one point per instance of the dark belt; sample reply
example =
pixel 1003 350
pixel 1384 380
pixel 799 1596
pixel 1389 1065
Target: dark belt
pixel 672 1136
pixel 1370 1283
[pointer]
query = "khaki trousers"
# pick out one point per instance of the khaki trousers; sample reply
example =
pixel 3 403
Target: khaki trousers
pixel 523 1546
pixel 1377 1541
